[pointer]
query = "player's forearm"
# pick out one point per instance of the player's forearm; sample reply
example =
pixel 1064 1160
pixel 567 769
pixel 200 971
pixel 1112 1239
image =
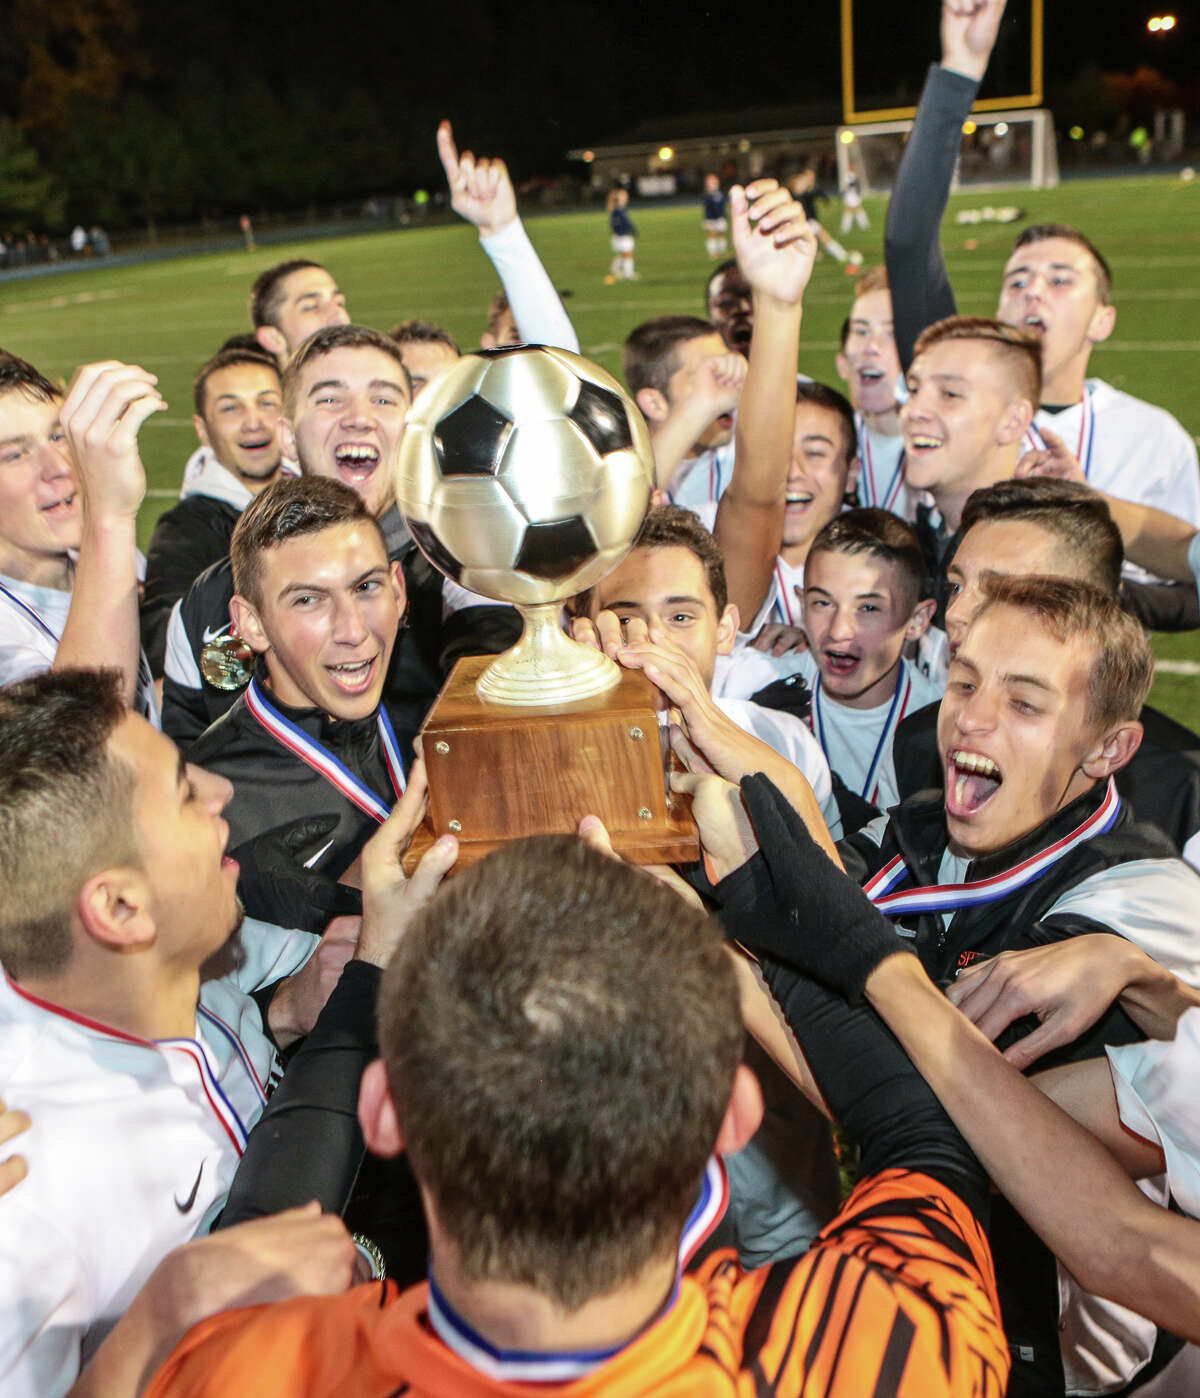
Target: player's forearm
pixel 749 523
pixel 102 626
pixel 536 306
pixel 1154 998
pixel 1086 1209
pixel 674 440
pixel 1153 539
pixel 920 283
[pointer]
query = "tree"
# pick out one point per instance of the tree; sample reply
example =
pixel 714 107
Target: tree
pixel 28 197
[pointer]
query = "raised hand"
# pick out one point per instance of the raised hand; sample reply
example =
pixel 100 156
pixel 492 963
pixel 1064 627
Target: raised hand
pixel 104 410
pixel 774 245
pixel 390 900
pixel 969 29
pixel 481 191
pixel 1056 459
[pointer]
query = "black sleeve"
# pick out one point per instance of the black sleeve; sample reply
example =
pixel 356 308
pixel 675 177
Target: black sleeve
pixel 873 1089
pixel 921 290
pixel 478 631
pixel 1162 606
pixel 184 543
pixel 307 1144
pixel 187 712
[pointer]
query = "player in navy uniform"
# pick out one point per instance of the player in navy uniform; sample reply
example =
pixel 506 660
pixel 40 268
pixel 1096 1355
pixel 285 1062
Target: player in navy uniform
pixel 623 235
pixel 716 226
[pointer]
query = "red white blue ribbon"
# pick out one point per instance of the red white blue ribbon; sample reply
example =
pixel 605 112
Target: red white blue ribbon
pixel 558 1366
pixel 31 612
pixel 869 494
pixel 1034 441
pixel 321 760
pixel 887 734
pixel 782 600
pixel 949 897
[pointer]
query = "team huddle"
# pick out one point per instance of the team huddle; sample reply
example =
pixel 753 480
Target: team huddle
pixel 278 1119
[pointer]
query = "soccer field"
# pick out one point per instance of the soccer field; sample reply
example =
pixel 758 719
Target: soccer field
pixel 169 316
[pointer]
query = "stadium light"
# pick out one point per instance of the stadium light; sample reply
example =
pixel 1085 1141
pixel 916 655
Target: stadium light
pixel 1001 128
pixel 1161 24
pixel 847 137
pixel 666 153
pixel 588 156
pixel 969 128
pixel 1076 133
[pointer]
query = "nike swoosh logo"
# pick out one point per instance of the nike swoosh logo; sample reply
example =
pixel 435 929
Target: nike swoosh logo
pixel 186 1206
pixel 211 635
pixel 310 862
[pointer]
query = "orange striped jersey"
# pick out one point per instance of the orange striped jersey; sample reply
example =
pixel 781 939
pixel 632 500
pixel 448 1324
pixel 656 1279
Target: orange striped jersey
pixel 895 1299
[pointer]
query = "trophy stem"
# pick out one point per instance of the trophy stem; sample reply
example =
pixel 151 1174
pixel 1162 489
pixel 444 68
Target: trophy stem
pixel 545 666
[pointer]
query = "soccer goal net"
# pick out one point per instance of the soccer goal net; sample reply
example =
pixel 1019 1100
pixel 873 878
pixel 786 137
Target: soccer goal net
pixel 1000 150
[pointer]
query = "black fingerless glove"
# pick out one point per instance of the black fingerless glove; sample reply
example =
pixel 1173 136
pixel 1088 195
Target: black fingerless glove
pixel 791 902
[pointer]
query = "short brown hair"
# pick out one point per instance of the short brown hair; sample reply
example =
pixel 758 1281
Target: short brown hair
pixel 561 1034
pixel 335 337
pixel 288 508
pixel 1123 669
pixel 66 809
pixel 1018 348
pixel 228 359
pixel 880 534
pixel 266 294
pixel 873 279
pixel 650 354
pixel 671 526
pixel 1077 517
pixel 1039 232
pixel 17 375
pixel 422 332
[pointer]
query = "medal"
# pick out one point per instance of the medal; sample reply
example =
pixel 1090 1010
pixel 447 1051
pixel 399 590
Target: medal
pixel 948 898
pixel 227 663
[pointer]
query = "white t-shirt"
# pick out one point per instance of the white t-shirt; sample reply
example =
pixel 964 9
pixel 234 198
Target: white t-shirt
pixel 789 736
pixel 858 742
pixel 787 589
pixel 1157 1098
pixel 701 479
pixel 32 620
pixel 131 1152
pixel 1130 449
pixel 881 479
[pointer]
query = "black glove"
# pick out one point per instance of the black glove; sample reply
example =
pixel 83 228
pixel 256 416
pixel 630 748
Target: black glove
pixel 274 884
pixel 815 917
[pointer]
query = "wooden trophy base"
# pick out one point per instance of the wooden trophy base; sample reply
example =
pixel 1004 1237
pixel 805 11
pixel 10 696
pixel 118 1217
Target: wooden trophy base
pixel 500 772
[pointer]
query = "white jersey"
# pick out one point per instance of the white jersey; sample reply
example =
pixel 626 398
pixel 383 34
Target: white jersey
pixel 701 479
pixel 1156 1096
pixel 32 620
pixel 131 1152
pixel 858 742
pixel 787 592
pixel 881 479
pixel 791 739
pixel 1130 449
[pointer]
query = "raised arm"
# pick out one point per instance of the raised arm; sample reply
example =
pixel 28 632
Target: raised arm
pixel 920 283
pixel 481 191
pixel 103 412
pixel 775 251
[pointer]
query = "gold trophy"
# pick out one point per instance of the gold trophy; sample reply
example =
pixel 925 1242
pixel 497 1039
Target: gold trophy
pixel 524 476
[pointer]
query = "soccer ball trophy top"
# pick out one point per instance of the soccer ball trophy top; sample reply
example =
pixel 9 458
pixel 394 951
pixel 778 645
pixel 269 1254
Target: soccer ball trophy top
pixel 524 475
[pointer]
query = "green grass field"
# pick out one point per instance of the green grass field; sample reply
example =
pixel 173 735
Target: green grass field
pixel 169 316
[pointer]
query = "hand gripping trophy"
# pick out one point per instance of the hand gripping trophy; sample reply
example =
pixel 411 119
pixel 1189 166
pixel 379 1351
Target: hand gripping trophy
pixel 524 475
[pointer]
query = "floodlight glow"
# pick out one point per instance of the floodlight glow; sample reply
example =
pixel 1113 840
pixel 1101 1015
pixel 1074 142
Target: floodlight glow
pixel 666 153
pixel 589 156
pixel 969 128
pixel 847 137
pixel 1160 24
pixel 1001 128
pixel 1076 133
